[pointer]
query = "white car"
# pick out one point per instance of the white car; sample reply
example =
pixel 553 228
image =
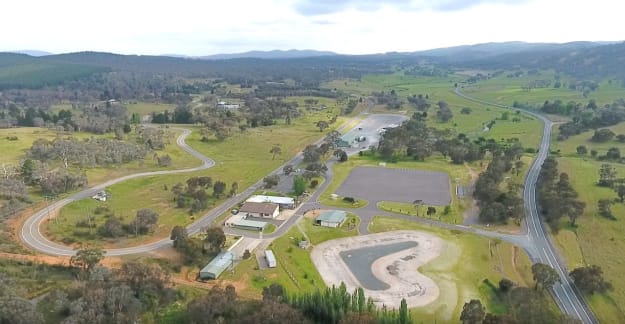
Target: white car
pixel 101 196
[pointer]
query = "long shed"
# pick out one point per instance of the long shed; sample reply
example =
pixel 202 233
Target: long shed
pixel 218 265
pixel 271 259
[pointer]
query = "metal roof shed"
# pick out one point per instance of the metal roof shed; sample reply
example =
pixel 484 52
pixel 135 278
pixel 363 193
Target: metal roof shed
pixel 332 218
pixel 271 259
pixel 218 265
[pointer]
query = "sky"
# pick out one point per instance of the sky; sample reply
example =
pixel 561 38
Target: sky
pixel 204 27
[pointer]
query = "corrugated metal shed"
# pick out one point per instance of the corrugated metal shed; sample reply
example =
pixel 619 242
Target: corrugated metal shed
pixel 332 218
pixel 271 259
pixel 218 265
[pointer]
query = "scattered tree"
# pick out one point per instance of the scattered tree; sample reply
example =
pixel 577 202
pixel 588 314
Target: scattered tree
pixel 590 279
pixel 275 150
pixel 544 275
pixel 473 312
pixel 299 185
pixel 179 235
pixel 215 238
pixel 87 258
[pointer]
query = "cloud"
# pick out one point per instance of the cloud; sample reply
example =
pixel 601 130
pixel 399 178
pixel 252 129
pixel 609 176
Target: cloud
pixel 456 5
pixel 321 7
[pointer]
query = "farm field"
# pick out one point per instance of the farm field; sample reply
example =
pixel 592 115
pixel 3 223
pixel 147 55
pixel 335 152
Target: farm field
pixel 504 90
pixel 568 148
pixel 596 240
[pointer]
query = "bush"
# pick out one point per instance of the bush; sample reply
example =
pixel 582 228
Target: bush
pixel 350 200
pixel 247 254
pixel 314 183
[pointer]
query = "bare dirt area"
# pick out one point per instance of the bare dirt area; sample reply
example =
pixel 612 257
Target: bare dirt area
pixel 384 264
pixel 401 185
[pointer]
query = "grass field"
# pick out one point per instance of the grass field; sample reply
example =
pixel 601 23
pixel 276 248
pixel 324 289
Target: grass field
pixel 127 198
pixel 528 130
pixel 453 217
pixel 568 147
pixel 295 270
pixel 33 279
pixel 596 240
pixel 243 158
pixel 461 269
pixel 505 90
pixel 16 150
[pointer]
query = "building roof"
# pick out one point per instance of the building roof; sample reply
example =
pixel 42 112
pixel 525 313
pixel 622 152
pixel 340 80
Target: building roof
pixel 271 199
pixel 333 216
pixel 220 263
pixel 256 207
pixel 239 220
pixel 271 259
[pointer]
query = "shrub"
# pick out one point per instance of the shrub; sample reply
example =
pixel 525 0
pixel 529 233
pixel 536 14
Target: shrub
pixel 314 183
pixel 349 199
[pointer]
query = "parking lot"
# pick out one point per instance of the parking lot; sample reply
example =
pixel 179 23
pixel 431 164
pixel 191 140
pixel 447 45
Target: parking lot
pixel 400 185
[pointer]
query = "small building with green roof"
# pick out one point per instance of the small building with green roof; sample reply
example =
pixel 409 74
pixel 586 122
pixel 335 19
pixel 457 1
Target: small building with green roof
pixel 332 218
pixel 218 265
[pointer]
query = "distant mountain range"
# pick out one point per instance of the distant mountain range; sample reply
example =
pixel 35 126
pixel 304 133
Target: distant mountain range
pixel 462 52
pixel 578 59
pixel 275 54
pixel 35 53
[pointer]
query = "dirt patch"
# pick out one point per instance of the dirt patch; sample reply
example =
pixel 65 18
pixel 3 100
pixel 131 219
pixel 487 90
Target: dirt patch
pixel 398 270
pixel 312 214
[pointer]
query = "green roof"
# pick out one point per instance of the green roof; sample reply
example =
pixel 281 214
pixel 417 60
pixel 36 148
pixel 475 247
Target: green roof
pixel 334 216
pixel 220 263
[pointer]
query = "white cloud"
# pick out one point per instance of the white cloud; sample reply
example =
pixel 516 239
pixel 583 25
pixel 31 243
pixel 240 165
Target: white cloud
pixel 347 26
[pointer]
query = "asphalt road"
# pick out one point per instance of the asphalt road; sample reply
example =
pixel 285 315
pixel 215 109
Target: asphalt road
pixel 540 248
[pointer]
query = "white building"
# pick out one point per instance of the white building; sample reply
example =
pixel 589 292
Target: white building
pixel 271 259
pixel 283 202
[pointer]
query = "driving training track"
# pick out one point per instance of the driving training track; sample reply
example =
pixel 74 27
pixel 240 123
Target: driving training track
pixel 535 241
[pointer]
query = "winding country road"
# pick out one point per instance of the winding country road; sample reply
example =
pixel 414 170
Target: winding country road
pixel 540 247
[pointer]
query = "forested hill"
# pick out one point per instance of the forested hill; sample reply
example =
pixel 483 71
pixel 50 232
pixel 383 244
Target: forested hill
pixel 309 70
pixel 23 71
pixel 576 59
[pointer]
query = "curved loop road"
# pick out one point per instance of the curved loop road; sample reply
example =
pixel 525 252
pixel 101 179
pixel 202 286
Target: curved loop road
pixel 31 230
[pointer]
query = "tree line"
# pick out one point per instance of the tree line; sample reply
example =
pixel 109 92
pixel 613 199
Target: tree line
pixel 498 205
pixel 556 196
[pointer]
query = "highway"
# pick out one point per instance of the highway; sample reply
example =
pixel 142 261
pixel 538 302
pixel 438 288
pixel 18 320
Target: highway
pixel 540 247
